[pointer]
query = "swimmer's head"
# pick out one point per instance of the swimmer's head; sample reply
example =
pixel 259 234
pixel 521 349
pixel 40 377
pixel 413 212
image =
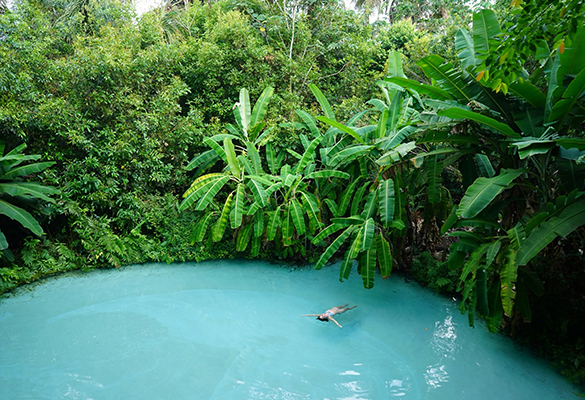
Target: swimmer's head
pixel 323 318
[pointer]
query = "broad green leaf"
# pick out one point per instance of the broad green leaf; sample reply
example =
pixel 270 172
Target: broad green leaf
pixel 202 159
pixel 201 228
pixel 244 109
pixel 572 95
pixel 346 267
pixel 483 191
pixel 349 153
pixel 371 205
pixel 308 154
pixel 327 173
pixel 343 200
pixel 26 189
pixel 356 246
pixel 21 216
pixel 332 206
pixel 485 166
pixel 459 113
pixel 237 212
pixel 434 170
pixel 572 217
pixel 482 292
pixel 232 160
pixel 446 77
pixel 298 216
pixel 328 231
pixel 210 194
pixel 256 243
pixel 309 121
pixel 258 192
pixel 395 64
pixel 465 48
pixel 325 106
pixel 221 223
pixel 528 92
pixel 473 262
pixel 288 228
pixel 342 128
pixel 386 201
pixel 273 223
pixel 243 238
pixel 357 198
pixel 508 276
pixel 450 221
pixel 485 27
pixel 333 247
pixel 198 188
pixel 217 148
pixel 261 105
pixel 255 157
pixel 433 92
pixel 27 170
pixel 516 236
pixel 311 208
pixel 492 252
pixel 384 256
pixel 3 241
pixel 396 154
pixel 495 305
pixel 368 236
pixel 258 223
pixel 368 267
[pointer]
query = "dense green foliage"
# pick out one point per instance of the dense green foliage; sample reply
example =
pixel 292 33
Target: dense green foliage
pixel 299 131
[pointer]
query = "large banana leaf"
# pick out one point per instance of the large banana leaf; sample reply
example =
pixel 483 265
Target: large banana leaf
pixel 26 170
pixel 447 78
pixel 298 216
pixel 459 113
pixel 356 245
pixel 495 306
pixel 333 247
pixel 309 122
pixel 325 106
pixel 273 223
pixel 483 191
pixel 258 192
pixel 28 189
pixel 395 64
pixel 334 227
pixel 199 187
pixel 465 48
pixel 237 211
pixel 244 109
pixel 311 207
pixel 384 256
pixel 386 201
pixel 201 228
pixel 258 223
pixel 368 267
pixel 342 128
pixel 371 205
pixel 260 107
pixel 346 267
pixel 434 170
pixel 485 27
pixel 205 158
pixel 243 238
pixel 368 234
pixel 255 157
pixel 22 216
pixel 232 160
pixel 433 92
pixel 572 217
pixel 327 173
pixel 508 276
pixel 221 223
pixel 308 154
pixel 568 106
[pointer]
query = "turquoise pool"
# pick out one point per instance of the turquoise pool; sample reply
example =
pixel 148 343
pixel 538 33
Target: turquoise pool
pixel 232 330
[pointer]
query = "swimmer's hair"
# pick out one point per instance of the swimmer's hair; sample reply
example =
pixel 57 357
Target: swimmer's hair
pixel 323 319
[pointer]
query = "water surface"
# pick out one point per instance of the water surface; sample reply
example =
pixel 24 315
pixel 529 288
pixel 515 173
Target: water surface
pixel 232 330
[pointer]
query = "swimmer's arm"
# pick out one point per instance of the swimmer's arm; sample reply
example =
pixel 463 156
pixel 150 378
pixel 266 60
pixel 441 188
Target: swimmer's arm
pixel 310 315
pixel 336 323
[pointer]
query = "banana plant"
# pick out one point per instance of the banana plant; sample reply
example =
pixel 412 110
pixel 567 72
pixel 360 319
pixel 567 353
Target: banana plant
pixel 365 211
pixel 16 193
pixel 511 137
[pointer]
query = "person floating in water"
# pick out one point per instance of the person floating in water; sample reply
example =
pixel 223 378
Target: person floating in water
pixel 328 315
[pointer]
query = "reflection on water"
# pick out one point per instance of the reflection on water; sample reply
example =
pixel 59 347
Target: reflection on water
pixel 444 345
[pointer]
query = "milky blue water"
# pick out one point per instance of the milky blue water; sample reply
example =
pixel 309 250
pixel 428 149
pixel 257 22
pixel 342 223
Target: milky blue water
pixel 233 330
